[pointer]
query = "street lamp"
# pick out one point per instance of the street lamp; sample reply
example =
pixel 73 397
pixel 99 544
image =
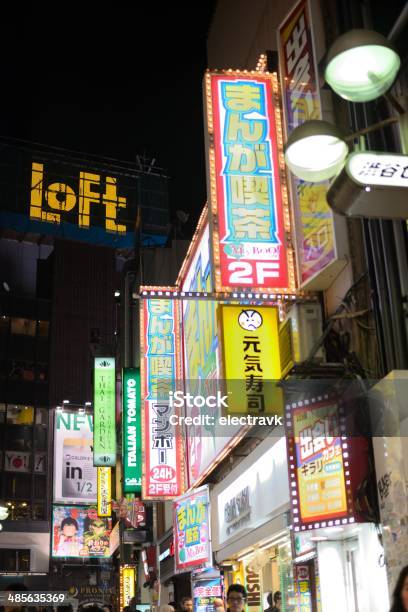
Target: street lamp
pixel 315 151
pixel 361 65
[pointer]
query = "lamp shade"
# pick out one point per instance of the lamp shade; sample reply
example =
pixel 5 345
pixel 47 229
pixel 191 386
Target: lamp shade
pixel 315 151
pixel 361 65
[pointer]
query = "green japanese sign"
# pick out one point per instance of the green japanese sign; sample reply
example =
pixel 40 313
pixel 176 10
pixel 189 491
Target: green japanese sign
pixel 104 451
pixel 132 434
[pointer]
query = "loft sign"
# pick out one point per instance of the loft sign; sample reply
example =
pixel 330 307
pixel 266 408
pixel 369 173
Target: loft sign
pixel 50 202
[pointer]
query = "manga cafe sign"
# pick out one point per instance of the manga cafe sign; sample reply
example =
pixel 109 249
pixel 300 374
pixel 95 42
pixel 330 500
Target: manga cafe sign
pixel 249 212
pixel 163 473
pixel 192 539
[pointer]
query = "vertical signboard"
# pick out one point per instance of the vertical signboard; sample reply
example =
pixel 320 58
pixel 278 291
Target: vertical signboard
pixel 252 362
pixel 75 479
pixel 192 537
pixel 127 580
pixel 249 213
pixel 132 432
pixel 104 451
pixel 163 473
pixel 319 465
pixel 201 352
pixel 104 491
pixel 313 218
pixel 253 582
pixel 207 588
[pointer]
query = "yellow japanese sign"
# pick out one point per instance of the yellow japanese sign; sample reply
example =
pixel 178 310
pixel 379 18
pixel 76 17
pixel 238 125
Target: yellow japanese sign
pixel 50 203
pixel 252 361
pixel 127 579
pixel 104 491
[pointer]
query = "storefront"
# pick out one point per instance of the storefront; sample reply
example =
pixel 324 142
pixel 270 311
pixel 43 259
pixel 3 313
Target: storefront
pixel 173 586
pixel 250 519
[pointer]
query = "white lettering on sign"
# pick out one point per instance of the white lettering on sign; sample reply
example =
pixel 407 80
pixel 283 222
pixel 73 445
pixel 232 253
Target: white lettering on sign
pixel 299 73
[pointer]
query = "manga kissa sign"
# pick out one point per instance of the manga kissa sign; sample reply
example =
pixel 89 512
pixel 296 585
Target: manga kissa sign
pixel 163 474
pixel 248 212
pixel 192 538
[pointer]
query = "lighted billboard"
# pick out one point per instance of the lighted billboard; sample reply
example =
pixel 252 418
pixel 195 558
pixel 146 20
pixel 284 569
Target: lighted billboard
pixel 319 464
pixel 252 362
pixel 313 218
pixel 104 496
pixel 248 208
pixel 78 531
pixel 75 477
pixel 201 350
pixel 55 194
pixel 162 444
pixel 127 582
pixel 132 431
pixel 104 450
pixel 192 537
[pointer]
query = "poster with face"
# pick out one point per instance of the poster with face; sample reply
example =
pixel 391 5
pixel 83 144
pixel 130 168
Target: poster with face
pixel 78 531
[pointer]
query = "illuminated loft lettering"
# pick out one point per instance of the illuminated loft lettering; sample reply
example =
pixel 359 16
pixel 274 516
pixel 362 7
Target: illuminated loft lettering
pixel 250 202
pixel 50 202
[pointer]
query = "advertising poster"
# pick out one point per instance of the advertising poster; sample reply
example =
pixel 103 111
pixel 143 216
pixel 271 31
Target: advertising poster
pixel 314 226
pixel 104 493
pixel 163 473
pixel 127 580
pixel 75 477
pixel 14 461
pixel 248 215
pixel 132 431
pixel 104 412
pixel 201 353
pixel 252 359
pixel 319 464
pixel 304 588
pixel 206 590
pixel 78 531
pixel 192 537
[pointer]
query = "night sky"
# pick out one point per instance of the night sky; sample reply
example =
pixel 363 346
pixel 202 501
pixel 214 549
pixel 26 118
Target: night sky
pixel 117 82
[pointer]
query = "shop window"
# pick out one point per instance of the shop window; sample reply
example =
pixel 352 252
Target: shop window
pixel 40 487
pixel 38 511
pixel 17 487
pixel 28 371
pixel 12 560
pixel 40 438
pixel 4 325
pixel 41 417
pixel 4 368
pixel 16 369
pixel 25 327
pixel 19 438
pixel 20 415
pixel 42 372
pixel 43 328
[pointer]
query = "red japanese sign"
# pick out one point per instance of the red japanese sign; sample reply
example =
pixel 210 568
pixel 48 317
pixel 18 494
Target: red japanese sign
pixel 249 213
pixel 163 472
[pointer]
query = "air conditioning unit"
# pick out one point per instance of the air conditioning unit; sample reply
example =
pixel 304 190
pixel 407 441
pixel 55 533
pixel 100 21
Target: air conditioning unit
pixel 307 327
